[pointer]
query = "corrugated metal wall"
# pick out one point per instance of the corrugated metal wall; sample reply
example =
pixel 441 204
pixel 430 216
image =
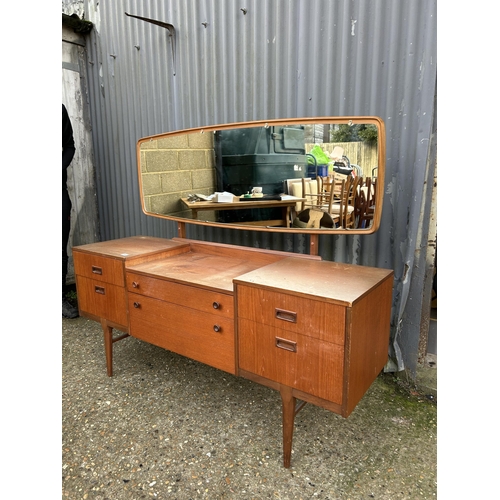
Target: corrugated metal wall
pixel 238 60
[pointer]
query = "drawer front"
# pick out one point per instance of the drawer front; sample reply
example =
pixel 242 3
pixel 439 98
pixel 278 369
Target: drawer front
pixel 208 338
pixel 304 363
pixel 99 268
pixel 308 317
pixel 102 299
pixel 182 295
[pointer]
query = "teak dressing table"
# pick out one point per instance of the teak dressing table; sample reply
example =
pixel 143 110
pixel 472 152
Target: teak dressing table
pixel 314 330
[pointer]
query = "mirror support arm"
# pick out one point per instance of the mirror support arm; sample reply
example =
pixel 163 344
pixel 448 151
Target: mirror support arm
pixel 181 229
pixel 313 244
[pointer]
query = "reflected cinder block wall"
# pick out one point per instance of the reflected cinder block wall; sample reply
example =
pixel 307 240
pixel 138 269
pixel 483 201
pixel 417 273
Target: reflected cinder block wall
pixel 174 167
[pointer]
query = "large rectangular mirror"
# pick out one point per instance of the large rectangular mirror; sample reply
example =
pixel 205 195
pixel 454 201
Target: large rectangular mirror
pixel 302 175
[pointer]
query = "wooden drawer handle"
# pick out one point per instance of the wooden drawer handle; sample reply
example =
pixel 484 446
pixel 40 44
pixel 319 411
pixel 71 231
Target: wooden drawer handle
pixel 96 270
pixel 288 345
pixel 286 315
pixel 100 289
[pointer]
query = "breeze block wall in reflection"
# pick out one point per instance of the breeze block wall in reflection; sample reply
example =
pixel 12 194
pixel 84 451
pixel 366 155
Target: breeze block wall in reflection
pixel 175 167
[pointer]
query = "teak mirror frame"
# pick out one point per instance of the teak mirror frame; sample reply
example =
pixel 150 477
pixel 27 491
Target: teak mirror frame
pixel 345 120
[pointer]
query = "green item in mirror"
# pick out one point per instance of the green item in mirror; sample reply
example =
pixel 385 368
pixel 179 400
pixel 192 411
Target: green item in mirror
pixel 321 157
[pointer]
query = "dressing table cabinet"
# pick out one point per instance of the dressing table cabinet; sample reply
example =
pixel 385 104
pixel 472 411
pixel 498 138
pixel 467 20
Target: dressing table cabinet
pixel 316 331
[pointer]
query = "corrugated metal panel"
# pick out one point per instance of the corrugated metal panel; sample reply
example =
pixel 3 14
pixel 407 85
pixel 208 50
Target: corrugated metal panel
pixel 279 58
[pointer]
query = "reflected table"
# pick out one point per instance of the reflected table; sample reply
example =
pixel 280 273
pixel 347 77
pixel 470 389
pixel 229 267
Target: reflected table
pixel 285 203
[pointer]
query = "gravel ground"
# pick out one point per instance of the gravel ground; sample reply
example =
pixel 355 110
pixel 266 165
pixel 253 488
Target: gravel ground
pixel 165 427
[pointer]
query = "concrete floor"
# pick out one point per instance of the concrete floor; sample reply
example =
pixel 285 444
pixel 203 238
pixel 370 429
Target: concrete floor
pixel 168 427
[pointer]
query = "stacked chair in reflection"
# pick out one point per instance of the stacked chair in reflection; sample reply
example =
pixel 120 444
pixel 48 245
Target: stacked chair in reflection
pixel 365 207
pixel 344 202
pixel 338 197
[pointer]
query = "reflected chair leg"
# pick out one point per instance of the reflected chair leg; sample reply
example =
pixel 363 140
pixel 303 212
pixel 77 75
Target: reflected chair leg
pixel 288 410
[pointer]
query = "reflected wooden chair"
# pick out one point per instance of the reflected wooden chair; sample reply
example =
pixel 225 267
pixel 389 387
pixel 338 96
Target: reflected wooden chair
pixel 314 209
pixel 366 203
pixel 341 196
pixel 358 187
pixel 308 189
pixel 303 188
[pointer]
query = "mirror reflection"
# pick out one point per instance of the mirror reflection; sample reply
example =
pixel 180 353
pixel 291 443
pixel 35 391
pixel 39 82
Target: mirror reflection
pixel 278 175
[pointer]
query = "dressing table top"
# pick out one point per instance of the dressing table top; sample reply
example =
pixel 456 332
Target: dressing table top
pixel 342 284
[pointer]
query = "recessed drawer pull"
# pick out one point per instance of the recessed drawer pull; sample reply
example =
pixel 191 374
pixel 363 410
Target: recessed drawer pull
pixel 286 315
pixel 100 289
pixel 288 345
pixel 96 270
pixel 135 284
pixel 217 328
pixel 216 305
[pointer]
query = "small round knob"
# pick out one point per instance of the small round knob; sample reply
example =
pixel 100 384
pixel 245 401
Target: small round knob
pixel 216 305
pixel 137 305
pixel 217 328
pixel 135 284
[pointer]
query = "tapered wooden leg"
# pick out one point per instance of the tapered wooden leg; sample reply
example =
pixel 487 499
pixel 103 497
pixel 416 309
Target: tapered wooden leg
pixel 108 346
pixel 288 422
pixel 109 340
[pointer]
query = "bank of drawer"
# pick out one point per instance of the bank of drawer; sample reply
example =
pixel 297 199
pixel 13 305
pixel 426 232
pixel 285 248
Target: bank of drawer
pixel 99 268
pixel 102 299
pixel 208 338
pixel 296 314
pixel 304 363
pixel 182 295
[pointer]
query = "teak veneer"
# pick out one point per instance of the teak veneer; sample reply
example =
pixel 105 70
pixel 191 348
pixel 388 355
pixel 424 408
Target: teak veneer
pixel 315 331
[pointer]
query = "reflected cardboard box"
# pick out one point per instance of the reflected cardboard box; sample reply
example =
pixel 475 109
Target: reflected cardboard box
pixel 224 197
